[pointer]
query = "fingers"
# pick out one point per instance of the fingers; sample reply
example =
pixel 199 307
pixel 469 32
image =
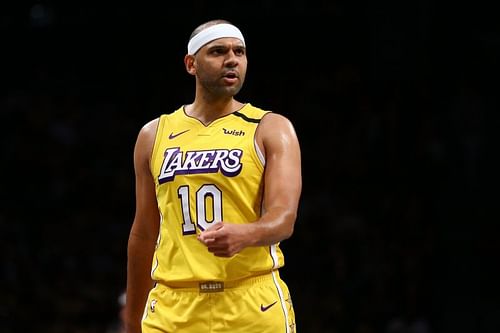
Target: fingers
pixel 209 235
pixel 215 226
pixel 215 240
pixel 220 250
pixel 217 246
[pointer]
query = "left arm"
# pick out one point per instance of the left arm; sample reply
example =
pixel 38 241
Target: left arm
pixel 282 188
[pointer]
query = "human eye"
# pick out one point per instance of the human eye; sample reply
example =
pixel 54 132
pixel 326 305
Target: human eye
pixel 217 51
pixel 240 51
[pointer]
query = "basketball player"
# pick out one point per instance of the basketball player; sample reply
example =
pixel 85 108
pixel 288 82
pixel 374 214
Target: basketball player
pixel 218 184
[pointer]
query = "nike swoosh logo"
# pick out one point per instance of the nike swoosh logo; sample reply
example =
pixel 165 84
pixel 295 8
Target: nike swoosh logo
pixel 173 136
pixel 265 308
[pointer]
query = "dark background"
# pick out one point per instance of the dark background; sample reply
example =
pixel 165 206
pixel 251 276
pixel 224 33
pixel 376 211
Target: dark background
pixel 394 104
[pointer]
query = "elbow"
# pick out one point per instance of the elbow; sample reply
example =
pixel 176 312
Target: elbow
pixel 288 233
pixel 289 225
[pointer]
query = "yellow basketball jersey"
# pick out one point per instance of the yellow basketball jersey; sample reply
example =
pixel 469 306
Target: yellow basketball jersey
pixel 203 175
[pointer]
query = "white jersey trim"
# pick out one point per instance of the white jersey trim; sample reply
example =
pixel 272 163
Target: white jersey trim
pixel 261 157
pixel 282 300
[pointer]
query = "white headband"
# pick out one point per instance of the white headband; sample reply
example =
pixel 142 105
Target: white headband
pixel 211 33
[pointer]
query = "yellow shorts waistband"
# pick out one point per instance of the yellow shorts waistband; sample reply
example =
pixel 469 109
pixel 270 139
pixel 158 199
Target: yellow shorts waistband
pixel 217 286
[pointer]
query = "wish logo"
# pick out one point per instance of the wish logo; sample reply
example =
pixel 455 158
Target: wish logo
pixel 233 132
pixel 176 162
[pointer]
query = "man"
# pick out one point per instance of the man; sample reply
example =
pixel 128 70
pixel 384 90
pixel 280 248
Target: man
pixel 218 184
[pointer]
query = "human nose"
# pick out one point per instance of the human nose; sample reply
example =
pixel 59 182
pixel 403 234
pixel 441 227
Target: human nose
pixel 231 59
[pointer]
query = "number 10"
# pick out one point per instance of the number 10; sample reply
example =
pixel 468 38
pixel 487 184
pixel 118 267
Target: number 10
pixel 206 192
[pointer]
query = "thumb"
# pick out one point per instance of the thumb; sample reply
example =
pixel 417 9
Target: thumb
pixel 210 232
pixel 215 226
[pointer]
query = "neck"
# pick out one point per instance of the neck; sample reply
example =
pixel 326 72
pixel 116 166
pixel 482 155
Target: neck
pixel 208 111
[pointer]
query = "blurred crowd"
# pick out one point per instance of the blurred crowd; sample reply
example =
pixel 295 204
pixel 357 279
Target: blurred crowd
pixel 392 218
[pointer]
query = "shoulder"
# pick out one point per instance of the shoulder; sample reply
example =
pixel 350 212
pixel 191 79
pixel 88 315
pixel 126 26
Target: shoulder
pixel 275 132
pixel 275 122
pixel 146 138
pixel 148 130
pixel 250 113
pixel 147 133
pixel 265 116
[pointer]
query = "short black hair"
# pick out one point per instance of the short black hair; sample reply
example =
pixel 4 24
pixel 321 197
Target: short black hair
pixel 205 25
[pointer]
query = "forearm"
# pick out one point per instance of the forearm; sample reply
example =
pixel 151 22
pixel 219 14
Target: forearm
pixel 139 282
pixel 275 225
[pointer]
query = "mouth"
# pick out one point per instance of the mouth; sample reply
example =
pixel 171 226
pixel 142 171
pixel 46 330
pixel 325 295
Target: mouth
pixel 230 76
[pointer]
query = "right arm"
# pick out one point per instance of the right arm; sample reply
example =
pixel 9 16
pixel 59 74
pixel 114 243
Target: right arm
pixel 144 231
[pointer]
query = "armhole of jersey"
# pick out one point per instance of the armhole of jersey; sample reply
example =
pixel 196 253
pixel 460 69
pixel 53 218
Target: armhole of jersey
pixel 261 157
pixel 156 143
pixel 258 152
